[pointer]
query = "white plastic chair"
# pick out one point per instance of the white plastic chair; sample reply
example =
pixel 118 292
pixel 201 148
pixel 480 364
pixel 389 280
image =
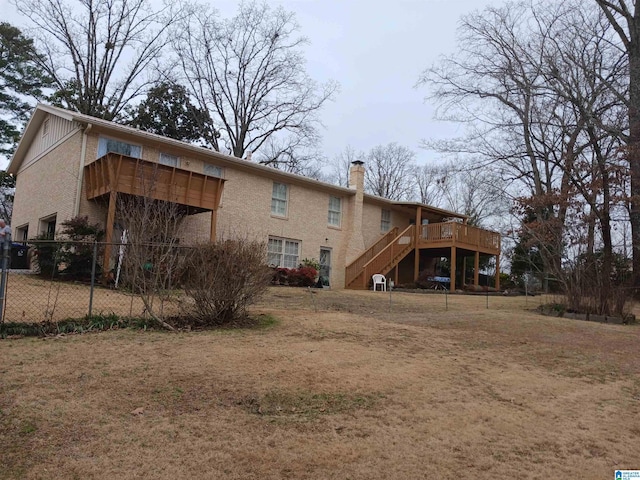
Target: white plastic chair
pixel 378 279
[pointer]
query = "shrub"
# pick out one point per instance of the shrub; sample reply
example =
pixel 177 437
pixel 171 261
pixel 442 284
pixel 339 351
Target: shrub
pixel 224 278
pixel 280 276
pixel 70 259
pixel 303 276
pixel 294 277
pixel 47 255
pixel 78 256
pixel 310 262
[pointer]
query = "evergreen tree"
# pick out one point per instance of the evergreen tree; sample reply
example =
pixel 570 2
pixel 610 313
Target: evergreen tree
pixel 20 81
pixel 168 111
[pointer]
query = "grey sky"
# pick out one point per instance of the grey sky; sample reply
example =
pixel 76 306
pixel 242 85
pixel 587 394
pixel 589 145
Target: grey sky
pixel 375 50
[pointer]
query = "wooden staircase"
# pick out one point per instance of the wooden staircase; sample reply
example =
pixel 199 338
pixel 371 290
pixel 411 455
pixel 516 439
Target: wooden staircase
pixel 385 254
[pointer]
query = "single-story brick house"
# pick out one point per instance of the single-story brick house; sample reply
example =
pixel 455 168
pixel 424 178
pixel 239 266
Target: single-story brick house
pixel 69 164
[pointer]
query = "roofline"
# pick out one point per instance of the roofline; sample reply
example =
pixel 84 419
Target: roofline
pixel 81 118
pixel 429 208
pixel 37 118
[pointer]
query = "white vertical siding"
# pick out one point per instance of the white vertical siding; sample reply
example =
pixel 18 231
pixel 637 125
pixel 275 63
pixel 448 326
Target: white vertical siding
pixel 57 129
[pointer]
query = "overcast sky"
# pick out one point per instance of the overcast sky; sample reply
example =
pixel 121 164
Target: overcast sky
pixel 375 50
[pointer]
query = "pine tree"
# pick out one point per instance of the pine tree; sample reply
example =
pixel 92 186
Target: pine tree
pixel 20 81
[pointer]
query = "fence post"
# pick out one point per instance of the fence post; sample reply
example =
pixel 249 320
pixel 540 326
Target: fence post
pixel 6 245
pixel 93 276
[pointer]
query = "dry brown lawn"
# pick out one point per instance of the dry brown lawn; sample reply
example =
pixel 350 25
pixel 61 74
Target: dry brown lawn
pixel 358 389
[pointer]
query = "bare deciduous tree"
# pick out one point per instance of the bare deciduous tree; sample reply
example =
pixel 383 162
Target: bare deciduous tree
pixel 98 52
pixel 528 80
pixel 474 192
pixel 390 172
pixel 624 17
pixel 430 181
pixel 248 71
pixel 341 165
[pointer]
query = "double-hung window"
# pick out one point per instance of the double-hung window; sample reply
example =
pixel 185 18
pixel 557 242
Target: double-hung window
pixel 283 252
pixel 335 211
pixel 279 199
pixel 385 220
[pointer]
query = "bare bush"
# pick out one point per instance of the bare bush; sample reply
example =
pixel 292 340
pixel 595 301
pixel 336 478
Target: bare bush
pixel 224 278
pixel 584 284
pixel 151 261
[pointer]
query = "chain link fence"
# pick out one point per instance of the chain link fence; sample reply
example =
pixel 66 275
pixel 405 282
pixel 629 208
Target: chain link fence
pixel 53 281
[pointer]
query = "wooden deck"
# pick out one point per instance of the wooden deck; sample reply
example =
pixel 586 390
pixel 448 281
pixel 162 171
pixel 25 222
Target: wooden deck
pixel 459 235
pixel 121 174
pixel 385 254
pixel 115 174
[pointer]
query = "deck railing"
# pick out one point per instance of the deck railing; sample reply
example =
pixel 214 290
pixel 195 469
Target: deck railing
pixel 355 267
pixel 458 234
pixel 390 255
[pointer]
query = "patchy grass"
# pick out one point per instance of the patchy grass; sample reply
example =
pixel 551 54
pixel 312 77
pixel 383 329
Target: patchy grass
pixel 335 384
pixel 307 405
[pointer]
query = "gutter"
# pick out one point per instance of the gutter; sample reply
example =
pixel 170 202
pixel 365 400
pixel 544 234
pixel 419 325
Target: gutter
pixel 83 154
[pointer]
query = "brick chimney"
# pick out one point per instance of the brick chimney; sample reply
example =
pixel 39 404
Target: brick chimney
pixel 356 175
pixel 356 239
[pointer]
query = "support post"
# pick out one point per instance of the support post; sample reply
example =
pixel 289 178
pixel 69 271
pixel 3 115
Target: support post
pixel 498 272
pixel 453 269
pixel 416 264
pixel 93 276
pixel 476 269
pixel 4 260
pixel 111 217
pixel 214 212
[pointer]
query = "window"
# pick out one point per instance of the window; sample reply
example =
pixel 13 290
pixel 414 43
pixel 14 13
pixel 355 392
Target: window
pixel 106 145
pixel 283 252
pixel 48 226
pixel 22 233
pixel 279 199
pixel 45 128
pixel 212 170
pixel 385 220
pixel 166 159
pixel 335 211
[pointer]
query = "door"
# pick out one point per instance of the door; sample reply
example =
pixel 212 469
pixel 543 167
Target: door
pixel 325 266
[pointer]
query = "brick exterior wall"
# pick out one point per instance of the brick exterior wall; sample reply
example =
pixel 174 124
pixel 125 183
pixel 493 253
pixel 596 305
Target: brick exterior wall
pixel 48 187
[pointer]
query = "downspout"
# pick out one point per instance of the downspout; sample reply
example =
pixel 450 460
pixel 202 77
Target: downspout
pixel 83 154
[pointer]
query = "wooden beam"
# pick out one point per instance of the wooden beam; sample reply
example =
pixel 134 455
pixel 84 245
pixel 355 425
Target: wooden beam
pixel 111 217
pixel 453 269
pixel 202 190
pixel 214 211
